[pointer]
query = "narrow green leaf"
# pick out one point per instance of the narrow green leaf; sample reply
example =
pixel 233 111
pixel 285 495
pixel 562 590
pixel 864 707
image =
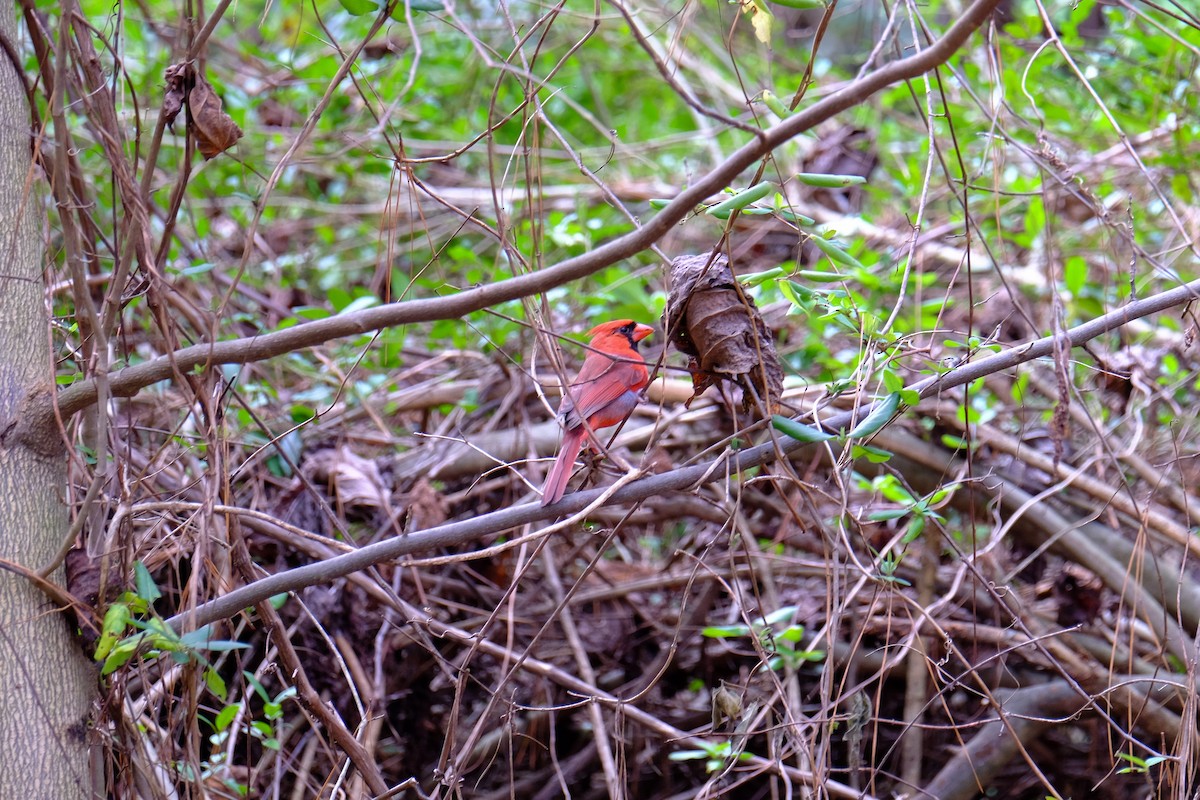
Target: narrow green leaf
pixel 875 455
pixel 255 684
pixel 799 3
pixel 358 8
pixel 780 615
pixel 830 181
pixel 816 276
pixel 792 633
pixel 226 716
pixel 221 645
pixel 724 631
pixel 198 638
pixel 799 432
pixel 914 530
pixel 659 202
pixel 757 278
pixel 743 198
pixel 799 219
pixel 835 253
pixel 125 650
pixel 215 683
pixel 880 415
pixel 117 659
pixel 398 11
pixel 115 621
pixel 144 583
pixel 1075 274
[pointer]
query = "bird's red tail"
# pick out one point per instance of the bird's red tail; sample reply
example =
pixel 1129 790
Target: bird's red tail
pixel 560 473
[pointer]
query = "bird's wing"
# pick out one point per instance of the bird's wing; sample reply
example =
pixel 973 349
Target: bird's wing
pixel 600 382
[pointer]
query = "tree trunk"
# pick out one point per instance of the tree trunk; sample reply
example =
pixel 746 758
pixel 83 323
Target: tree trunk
pixel 45 681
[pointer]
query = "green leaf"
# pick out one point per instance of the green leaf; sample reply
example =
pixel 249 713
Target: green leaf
pixel 226 716
pixel 1075 274
pixel 817 276
pixel 792 216
pixel 780 615
pixel 222 645
pixel 757 278
pixel 659 202
pixel 724 631
pixel 881 414
pixel 742 199
pixel 358 8
pixel 215 683
pixel 914 530
pixel 256 685
pixel 799 432
pixel 793 633
pixel 830 181
pixel 875 455
pixel 799 3
pixel 146 589
pixel 121 654
pixel 116 619
pixel 835 253
pixel 199 640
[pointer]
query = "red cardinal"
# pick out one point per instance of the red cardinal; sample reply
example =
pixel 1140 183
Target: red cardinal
pixel 604 393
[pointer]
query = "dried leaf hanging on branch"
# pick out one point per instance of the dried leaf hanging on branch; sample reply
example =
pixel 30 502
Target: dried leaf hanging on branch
pixel 717 325
pixel 214 130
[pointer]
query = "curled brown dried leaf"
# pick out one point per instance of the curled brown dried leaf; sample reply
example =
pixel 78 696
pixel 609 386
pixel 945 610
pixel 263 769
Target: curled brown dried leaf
pixel 214 130
pixel 718 326
pixel 178 78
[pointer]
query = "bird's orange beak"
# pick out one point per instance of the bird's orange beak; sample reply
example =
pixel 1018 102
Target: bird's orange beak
pixel 641 332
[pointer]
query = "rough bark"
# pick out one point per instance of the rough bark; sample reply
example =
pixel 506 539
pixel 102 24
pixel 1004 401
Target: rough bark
pixel 45 681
